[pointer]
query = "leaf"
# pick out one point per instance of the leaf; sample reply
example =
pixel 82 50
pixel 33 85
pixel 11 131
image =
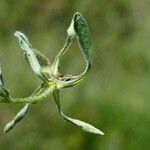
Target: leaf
pixel 1 75
pixel 44 63
pixel 70 31
pixel 42 59
pixel 83 36
pixel 85 126
pixel 3 92
pixel 30 55
pixel 20 115
pixel 79 29
pixel 35 58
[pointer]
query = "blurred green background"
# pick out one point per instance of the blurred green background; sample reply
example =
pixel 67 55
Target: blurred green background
pixel 115 96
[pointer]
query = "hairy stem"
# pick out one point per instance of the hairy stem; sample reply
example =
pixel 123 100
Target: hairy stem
pixel 31 99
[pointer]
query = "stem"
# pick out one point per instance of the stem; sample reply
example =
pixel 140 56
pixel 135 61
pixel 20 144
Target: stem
pixel 60 53
pixel 32 99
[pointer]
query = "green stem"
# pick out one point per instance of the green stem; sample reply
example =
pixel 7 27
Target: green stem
pixel 61 52
pixel 32 99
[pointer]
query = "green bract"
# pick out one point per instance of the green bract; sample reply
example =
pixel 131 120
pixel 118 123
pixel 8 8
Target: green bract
pixel 52 80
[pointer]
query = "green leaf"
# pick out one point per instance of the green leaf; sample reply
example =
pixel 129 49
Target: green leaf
pixel 3 92
pixel 85 126
pixel 83 36
pixel 1 75
pixel 26 46
pixel 42 59
pixel 70 31
pixel 20 115
pixel 37 60
pixel 79 29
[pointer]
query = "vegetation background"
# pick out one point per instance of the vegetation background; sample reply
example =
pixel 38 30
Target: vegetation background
pixel 115 96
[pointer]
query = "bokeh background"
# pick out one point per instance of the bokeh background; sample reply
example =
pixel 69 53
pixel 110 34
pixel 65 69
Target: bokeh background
pixel 115 96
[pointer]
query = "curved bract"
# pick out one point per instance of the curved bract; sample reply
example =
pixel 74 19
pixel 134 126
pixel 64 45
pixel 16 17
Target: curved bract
pixel 52 80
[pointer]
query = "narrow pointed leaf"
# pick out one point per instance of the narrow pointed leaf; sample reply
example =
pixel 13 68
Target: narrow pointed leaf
pixel 20 115
pixel 26 46
pixel 85 126
pixel 42 59
pixel 39 63
pixel 3 92
pixel 1 75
